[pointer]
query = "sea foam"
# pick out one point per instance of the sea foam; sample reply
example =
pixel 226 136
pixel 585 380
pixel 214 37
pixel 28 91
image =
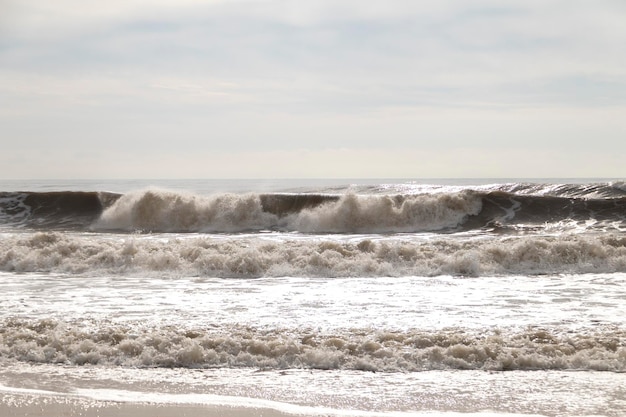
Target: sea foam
pixel 51 341
pixel 281 255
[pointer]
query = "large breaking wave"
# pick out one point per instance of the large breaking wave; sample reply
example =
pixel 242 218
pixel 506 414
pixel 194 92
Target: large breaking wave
pixel 153 210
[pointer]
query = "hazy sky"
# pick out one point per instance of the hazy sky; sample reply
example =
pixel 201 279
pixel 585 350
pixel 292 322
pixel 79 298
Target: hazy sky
pixel 319 88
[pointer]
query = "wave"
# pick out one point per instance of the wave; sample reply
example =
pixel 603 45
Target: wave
pixel 52 341
pixel 244 257
pixel 73 210
pixel 157 211
pixel 163 211
pixel 614 189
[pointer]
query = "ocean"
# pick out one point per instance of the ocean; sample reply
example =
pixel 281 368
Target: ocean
pixel 314 297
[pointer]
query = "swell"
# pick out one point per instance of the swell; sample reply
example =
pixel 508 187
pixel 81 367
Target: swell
pixel 156 210
pixel 503 208
pixel 53 252
pixel 52 341
pixel 615 189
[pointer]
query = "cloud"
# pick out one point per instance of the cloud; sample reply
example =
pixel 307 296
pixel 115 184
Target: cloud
pixel 278 75
pixel 453 51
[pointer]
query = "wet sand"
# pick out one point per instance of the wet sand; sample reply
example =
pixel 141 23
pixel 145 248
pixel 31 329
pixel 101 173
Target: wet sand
pixel 20 405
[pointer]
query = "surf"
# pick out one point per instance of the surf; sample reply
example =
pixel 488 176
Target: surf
pixel 499 208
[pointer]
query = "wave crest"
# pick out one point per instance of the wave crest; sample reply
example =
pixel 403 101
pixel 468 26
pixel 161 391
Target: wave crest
pixel 359 214
pixel 165 211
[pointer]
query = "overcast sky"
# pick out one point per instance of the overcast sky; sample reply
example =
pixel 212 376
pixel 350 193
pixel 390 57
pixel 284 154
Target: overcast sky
pixel 319 88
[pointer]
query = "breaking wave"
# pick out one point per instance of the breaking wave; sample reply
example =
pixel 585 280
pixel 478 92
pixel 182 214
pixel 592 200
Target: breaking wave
pixel 162 211
pixel 52 341
pixel 283 256
pixel 167 211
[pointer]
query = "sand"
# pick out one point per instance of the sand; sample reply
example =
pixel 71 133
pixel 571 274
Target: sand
pixel 21 405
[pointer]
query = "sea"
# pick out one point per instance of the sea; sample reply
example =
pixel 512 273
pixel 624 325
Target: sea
pixel 317 297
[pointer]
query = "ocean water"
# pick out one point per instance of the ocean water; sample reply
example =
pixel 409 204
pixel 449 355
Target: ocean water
pixel 318 297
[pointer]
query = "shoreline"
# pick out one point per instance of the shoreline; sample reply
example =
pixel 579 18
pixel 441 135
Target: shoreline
pixel 16 402
pixel 59 408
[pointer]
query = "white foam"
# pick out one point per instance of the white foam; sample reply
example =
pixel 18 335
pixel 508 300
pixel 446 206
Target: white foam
pixel 282 255
pixel 374 214
pixel 51 341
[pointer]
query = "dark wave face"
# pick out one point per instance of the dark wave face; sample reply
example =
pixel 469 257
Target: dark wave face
pixel 502 208
pixel 53 210
pixel 507 210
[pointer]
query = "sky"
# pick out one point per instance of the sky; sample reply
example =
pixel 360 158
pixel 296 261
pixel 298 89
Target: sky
pixel 312 89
